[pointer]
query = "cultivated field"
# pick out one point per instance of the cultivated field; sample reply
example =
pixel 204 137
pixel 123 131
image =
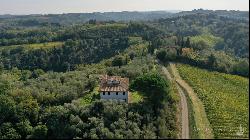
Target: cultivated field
pixel 225 98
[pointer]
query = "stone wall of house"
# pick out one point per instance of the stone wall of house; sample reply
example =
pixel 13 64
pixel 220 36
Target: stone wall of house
pixel 123 96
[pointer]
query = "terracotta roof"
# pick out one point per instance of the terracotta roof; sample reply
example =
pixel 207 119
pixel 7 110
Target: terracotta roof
pixel 113 83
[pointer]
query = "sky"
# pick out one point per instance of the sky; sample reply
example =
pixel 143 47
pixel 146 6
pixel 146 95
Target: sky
pixel 20 7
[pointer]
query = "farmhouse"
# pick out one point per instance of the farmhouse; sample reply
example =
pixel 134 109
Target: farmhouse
pixel 114 87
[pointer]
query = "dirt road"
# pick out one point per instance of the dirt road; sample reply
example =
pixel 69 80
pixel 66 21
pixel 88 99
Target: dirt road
pixel 184 107
pixel 201 122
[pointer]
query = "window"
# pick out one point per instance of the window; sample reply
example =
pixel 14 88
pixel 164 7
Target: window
pixel 123 93
pixel 103 93
pixel 108 93
pixel 116 93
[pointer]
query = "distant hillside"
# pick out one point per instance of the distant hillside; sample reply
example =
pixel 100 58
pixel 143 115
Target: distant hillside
pixel 231 26
pixel 242 15
pixel 125 16
pixel 73 18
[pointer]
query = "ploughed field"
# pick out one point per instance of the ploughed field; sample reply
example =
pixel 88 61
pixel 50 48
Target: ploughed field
pixel 225 98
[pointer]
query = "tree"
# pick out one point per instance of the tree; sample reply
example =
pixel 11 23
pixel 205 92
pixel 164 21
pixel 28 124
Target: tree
pixel 7 108
pixel 26 74
pixel 168 54
pixel 24 128
pixel 212 60
pixel 1 66
pixel 162 129
pixel 56 119
pixel 4 85
pixel 36 73
pixel 92 21
pixel 161 54
pixel 118 61
pixel 151 49
pixel 153 86
pixel 200 45
pixel 188 43
pixel 182 42
pixel 241 68
pixel 8 132
pixel 126 59
pixel 29 109
pixel 157 42
pixel 171 54
pixel 91 83
pixel 149 132
pixel 132 55
pixel 220 45
pixel 40 132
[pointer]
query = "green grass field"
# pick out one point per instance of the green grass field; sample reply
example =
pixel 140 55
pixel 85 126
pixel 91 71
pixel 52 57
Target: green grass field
pixel 136 97
pixel 89 97
pixel 225 98
pixel 46 45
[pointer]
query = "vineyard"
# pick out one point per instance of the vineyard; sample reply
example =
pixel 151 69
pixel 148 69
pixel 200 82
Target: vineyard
pixel 225 98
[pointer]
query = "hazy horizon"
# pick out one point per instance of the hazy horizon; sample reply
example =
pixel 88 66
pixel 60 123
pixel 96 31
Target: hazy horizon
pixel 26 7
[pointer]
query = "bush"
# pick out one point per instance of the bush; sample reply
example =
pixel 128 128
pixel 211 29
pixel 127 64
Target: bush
pixel 168 54
pixel 153 85
pixel 241 68
pixel 118 61
pixel 161 54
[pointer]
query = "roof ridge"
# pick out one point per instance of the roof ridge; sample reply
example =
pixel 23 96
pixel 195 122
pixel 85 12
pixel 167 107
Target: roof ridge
pixel 122 86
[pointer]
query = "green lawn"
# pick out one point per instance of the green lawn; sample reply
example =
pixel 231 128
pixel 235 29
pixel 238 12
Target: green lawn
pixel 89 97
pixel 136 97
